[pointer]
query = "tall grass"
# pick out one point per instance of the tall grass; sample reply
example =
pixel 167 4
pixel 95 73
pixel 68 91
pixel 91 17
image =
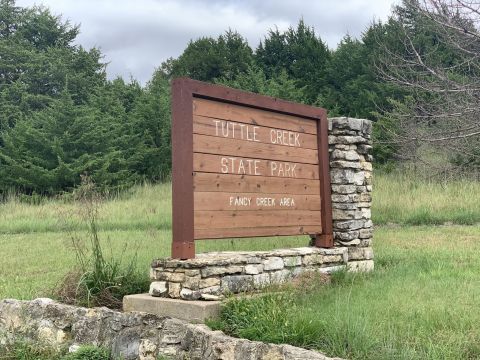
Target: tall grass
pixel 402 198
pixel 397 199
pixel 140 208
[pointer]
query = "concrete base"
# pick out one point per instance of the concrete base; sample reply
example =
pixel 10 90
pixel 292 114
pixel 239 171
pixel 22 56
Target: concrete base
pixel 192 311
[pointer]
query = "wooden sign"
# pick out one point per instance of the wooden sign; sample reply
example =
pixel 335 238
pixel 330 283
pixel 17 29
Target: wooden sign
pixel 246 165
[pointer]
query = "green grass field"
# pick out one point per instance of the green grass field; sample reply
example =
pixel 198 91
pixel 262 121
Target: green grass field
pixel 421 302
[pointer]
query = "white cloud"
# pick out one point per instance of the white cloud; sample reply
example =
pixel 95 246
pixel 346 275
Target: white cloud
pixel 136 36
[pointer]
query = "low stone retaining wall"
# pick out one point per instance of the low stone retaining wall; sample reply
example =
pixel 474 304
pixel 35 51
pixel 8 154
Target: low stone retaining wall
pixel 212 275
pixel 130 335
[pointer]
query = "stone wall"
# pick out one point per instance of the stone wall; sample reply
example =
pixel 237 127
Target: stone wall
pixel 210 276
pixel 130 335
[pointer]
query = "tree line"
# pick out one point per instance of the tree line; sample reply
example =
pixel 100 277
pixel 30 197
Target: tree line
pixel 60 117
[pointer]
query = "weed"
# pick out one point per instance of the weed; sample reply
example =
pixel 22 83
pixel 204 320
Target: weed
pixel 88 352
pixel 98 280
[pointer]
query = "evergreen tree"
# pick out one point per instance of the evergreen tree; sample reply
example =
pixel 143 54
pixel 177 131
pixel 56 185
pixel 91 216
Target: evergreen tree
pixel 300 53
pixel 207 59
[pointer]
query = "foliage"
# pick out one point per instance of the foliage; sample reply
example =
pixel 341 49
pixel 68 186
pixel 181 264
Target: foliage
pixel 98 280
pixel 26 351
pixel 254 80
pixel 431 52
pixel 60 118
pixel 88 352
pixel 300 53
pixel 207 59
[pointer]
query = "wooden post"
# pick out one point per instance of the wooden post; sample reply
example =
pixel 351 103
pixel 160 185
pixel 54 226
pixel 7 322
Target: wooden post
pixel 183 245
pixel 325 239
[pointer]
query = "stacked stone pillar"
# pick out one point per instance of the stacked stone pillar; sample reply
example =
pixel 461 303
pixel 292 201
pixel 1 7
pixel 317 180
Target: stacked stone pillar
pixel 350 146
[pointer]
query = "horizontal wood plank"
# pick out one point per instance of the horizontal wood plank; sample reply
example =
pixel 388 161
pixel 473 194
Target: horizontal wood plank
pixel 241 219
pixel 253 167
pixel 248 115
pixel 234 130
pixel 258 231
pixel 251 149
pixel 220 201
pixel 253 184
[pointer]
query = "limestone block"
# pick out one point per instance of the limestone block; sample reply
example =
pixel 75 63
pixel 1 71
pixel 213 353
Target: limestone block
pixel 192 282
pixel 359 178
pixel 188 294
pixel 174 290
pixel 171 276
pixel 347 123
pixel 346 139
pixel 261 280
pixel 254 260
pixel 237 283
pixel 343 189
pixel 360 266
pixel 366 213
pixel 313 259
pixel 344 206
pixel 291 261
pixel 342 176
pixel 253 269
pixel 192 272
pixel 209 282
pixel 333 259
pixel 339 214
pixel 360 253
pixel 217 270
pixel 158 288
pixel 273 263
pixel 346 236
pixel 348 225
pixel 348 198
pixel 280 276
pixel 366 233
pixel 354 242
pixel 367 166
pixel 365 242
pixel 345 164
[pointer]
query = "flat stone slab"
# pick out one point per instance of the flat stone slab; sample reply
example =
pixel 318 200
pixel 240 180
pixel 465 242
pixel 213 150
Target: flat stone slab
pixel 192 311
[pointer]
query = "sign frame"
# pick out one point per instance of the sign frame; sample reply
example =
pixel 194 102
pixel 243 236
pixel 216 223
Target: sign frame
pixel 184 91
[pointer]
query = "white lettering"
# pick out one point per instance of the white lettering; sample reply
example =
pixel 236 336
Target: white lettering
pixel 273 168
pixel 281 169
pixel 216 126
pixel 224 163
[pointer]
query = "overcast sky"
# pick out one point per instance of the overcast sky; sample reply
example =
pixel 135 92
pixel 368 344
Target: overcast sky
pixel 137 35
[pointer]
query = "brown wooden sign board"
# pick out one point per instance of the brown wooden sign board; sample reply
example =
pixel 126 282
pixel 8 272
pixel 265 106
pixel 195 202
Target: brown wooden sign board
pixel 246 165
